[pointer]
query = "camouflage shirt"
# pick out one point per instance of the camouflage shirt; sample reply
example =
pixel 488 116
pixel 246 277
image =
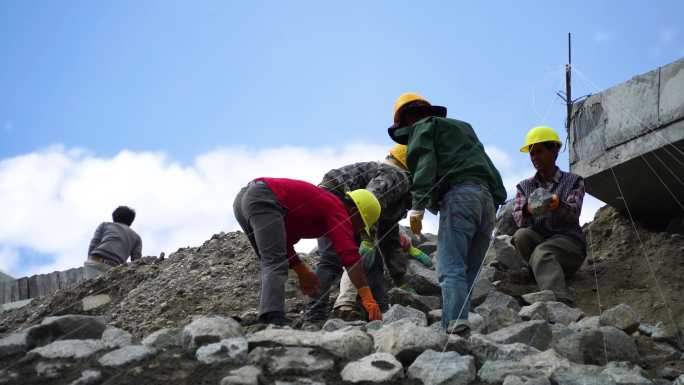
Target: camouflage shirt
pixel 390 184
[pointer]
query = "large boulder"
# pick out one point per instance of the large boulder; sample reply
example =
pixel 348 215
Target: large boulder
pixel 532 333
pixel 485 349
pixel 622 317
pixel 538 365
pixel 375 368
pixel 399 312
pixel 505 224
pixel 481 290
pixel 71 349
pixel 208 329
pixel 349 344
pixel 71 327
pixel 406 341
pixel 551 311
pixel 126 355
pixel 624 374
pixel 116 338
pixel 506 257
pixel 423 279
pixel 597 346
pixel 164 338
pixel 443 368
pixel 499 311
pixel 14 343
pixel 231 350
pixel 283 361
pixel 416 301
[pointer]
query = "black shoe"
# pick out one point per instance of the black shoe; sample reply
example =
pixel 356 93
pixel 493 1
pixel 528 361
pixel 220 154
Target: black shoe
pixel 276 318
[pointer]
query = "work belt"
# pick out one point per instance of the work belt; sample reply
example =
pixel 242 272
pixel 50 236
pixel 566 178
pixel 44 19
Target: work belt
pixel 100 259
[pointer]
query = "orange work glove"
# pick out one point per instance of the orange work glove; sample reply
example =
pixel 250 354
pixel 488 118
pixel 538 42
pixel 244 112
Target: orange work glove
pixel 555 201
pixel 308 281
pixel 369 304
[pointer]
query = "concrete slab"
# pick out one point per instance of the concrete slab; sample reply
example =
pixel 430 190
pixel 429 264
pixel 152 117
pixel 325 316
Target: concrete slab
pixel 671 106
pixel 634 132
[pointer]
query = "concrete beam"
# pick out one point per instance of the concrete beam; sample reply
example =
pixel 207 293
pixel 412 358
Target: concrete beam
pixel 634 132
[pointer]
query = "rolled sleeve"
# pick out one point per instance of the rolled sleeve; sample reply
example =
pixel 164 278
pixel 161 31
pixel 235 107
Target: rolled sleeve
pixel 519 208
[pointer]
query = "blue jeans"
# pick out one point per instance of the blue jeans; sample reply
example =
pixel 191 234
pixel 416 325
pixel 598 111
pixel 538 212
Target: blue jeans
pixel 466 221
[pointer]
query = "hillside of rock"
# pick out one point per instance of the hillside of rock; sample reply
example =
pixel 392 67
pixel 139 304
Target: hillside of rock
pixel 188 319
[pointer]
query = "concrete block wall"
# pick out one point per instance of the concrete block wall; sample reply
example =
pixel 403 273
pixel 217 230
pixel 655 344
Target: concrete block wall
pixel 634 132
pixel 38 285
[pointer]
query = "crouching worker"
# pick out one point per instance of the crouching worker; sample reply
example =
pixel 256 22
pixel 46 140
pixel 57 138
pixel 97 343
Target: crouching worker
pixel 276 213
pixel 547 210
pixel 390 182
pixel 112 243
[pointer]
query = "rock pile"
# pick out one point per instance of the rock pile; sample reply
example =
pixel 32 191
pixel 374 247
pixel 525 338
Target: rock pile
pixel 184 320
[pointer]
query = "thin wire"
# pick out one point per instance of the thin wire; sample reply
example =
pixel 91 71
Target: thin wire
pixel 663 183
pixel 648 260
pixel 671 173
pixel 598 295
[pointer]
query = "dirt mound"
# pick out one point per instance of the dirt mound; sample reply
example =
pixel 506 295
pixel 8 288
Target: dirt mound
pixel 628 273
pixel 220 277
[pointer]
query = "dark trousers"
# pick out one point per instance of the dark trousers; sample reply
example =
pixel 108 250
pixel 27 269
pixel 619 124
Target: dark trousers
pixel 329 271
pixel 262 218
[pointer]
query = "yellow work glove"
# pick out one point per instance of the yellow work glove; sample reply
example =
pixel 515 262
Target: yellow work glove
pixel 416 220
pixel 369 304
pixel 308 281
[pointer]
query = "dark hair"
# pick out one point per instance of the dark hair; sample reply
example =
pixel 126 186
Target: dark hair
pixel 123 214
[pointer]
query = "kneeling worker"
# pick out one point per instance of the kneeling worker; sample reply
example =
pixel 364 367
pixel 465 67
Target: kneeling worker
pixel 547 210
pixel 276 213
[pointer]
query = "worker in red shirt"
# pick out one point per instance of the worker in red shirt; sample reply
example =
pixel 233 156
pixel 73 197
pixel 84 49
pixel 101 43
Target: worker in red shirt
pixel 276 213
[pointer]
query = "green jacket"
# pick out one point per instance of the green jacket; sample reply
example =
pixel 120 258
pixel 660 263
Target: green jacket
pixel 443 152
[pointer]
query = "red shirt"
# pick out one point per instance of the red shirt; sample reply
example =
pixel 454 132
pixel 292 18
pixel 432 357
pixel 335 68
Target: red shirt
pixel 313 212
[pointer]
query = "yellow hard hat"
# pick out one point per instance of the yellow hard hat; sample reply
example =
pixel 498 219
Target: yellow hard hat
pixel 368 206
pixel 405 99
pixel 540 134
pixel 399 153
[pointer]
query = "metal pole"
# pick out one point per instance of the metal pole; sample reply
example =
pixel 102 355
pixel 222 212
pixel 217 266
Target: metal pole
pixel 568 85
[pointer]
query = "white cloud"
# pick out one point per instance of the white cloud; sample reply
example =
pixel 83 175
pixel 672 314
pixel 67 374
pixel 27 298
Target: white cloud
pixel 53 199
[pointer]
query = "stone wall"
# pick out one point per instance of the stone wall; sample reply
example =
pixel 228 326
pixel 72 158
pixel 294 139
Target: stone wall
pixel 38 285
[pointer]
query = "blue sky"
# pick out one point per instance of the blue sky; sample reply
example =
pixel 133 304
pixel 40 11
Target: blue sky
pixel 84 82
